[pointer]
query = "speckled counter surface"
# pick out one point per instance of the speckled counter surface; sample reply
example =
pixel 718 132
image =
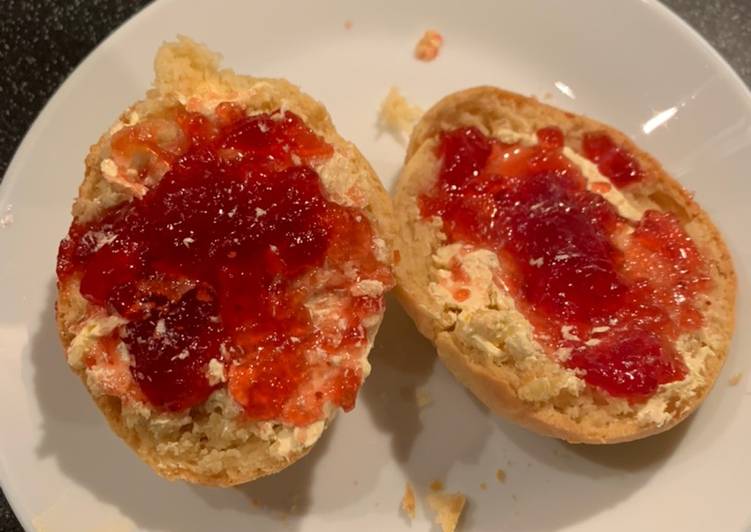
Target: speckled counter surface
pixel 41 42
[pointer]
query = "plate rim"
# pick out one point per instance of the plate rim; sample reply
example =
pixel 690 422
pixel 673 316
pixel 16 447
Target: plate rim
pixel 716 61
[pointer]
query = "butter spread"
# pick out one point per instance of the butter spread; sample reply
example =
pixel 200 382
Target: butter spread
pixel 88 337
pixel 657 410
pixel 587 168
pixel 487 321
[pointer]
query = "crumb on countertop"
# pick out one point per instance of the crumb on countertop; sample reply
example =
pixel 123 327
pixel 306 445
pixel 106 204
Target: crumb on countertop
pixel 397 115
pixel 735 379
pixel 347 24
pixel 500 475
pixel 483 486
pixel 448 508
pixel 408 501
pixel 429 45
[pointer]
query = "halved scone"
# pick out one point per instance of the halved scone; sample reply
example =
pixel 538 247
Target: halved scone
pixel 223 278
pixel 565 278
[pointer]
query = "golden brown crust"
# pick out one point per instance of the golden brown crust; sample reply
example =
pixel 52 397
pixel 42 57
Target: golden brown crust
pixel 185 69
pixel 256 468
pixel 497 385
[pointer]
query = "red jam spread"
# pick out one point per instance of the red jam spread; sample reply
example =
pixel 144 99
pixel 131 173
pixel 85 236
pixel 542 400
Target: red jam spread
pixel 218 259
pixel 612 161
pixel 605 295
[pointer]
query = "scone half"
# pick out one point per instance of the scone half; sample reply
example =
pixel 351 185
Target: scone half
pixel 564 277
pixel 223 278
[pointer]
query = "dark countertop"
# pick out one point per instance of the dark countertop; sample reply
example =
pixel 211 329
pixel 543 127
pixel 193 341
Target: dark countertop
pixel 41 41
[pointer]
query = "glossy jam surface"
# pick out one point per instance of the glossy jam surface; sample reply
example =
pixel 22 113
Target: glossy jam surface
pixel 221 259
pixel 605 295
pixel 613 161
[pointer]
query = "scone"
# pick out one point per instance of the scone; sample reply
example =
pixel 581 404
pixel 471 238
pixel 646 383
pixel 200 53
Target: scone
pixel 223 278
pixel 564 277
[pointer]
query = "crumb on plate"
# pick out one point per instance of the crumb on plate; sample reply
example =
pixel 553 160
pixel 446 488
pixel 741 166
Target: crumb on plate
pixel 408 501
pixel 422 396
pixel 448 508
pixel 428 46
pixel 7 218
pixel 397 115
pixel 735 379
pixel 500 475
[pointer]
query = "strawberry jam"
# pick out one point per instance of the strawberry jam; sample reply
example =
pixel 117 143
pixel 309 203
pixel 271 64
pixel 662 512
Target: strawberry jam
pixel 220 260
pixel 606 296
pixel 612 161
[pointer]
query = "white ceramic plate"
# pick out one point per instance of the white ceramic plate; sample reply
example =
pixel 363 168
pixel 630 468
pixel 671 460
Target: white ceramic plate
pixel 623 62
